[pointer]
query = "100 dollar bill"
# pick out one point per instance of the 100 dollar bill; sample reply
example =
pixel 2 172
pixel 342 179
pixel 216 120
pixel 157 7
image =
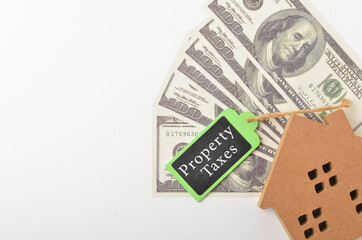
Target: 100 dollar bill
pixel 187 101
pixel 202 67
pixel 214 46
pixel 294 57
pixel 232 58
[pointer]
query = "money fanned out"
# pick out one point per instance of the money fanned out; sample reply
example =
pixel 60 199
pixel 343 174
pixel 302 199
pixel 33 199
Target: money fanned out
pixel 257 56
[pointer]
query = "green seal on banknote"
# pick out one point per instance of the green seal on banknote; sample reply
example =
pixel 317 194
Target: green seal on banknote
pixel 253 5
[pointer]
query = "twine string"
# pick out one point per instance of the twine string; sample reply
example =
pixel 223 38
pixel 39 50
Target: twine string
pixel 345 103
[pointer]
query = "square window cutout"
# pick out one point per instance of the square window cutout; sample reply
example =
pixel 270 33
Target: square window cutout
pixel 319 187
pixel 323 226
pixel 333 181
pixel 302 219
pixel 312 174
pixel 317 213
pixel 308 233
pixel 327 167
pixel 354 195
pixel 359 208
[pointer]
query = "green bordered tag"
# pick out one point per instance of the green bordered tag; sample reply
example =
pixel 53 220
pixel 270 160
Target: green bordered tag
pixel 215 152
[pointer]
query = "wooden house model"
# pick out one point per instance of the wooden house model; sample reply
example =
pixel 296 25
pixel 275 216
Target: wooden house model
pixel 315 182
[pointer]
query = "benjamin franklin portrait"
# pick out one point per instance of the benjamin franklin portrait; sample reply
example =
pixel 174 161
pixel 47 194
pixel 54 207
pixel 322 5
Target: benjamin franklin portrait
pixel 249 176
pixel 286 45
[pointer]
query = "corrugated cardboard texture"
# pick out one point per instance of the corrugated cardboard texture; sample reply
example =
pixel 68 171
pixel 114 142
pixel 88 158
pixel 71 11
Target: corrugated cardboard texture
pixel 315 183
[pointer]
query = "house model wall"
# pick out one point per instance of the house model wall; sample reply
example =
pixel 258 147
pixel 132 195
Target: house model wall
pixel 315 183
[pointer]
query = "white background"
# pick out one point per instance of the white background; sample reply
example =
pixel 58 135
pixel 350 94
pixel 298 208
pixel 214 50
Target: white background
pixel 78 80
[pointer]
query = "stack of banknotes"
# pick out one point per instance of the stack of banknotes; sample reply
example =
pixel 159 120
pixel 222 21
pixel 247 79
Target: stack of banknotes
pixel 256 56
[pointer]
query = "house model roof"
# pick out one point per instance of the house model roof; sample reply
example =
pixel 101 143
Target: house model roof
pixel 315 183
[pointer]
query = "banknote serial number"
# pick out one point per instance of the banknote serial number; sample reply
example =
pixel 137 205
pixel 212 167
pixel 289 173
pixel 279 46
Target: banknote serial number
pixel 319 94
pixel 181 134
